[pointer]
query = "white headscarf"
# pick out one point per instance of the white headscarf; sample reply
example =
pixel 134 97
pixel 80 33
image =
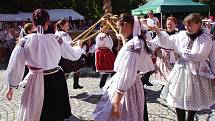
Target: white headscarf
pixel 136 33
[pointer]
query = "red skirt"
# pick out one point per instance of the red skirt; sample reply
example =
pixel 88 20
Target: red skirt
pixel 104 60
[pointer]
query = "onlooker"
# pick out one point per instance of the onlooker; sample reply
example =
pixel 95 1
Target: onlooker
pixel 152 20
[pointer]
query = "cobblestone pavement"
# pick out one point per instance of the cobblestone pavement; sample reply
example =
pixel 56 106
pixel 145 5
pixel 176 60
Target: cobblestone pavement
pixel 83 101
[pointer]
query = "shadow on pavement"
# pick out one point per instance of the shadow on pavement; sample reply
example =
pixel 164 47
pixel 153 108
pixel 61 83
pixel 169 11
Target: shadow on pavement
pixel 89 72
pixel 3 65
pixel 74 118
pixel 152 95
pixel 90 98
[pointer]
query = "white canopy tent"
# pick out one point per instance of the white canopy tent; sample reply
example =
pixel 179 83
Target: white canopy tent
pixel 55 15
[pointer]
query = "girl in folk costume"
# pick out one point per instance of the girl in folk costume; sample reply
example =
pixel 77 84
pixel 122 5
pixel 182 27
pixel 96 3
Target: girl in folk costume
pixel 69 66
pixel 123 99
pixel 45 97
pixel 166 57
pixel 104 56
pixel 89 50
pixel 189 85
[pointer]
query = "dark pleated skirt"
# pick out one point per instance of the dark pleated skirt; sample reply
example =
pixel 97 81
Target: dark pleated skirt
pixel 69 66
pixel 56 105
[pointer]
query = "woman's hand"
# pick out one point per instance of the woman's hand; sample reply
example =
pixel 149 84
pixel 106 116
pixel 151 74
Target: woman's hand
pixel 116 110
pixel 155 29
pixel 9 94
pixel 116 105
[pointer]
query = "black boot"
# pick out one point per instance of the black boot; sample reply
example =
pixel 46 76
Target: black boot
pixel 76 80
pixel 103 80
pixel 180 114
pixel 191 115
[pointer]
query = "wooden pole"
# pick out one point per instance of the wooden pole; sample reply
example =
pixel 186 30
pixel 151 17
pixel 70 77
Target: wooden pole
pixel 91 27
pixel 112 27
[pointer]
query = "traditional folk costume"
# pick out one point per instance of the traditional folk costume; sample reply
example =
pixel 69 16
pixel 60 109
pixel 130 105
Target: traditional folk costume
pixel 104 55
pixel 68 65
pixel 189 83
pixel 164 64
pixel 131 59
pixel 45 96
pixel 89 54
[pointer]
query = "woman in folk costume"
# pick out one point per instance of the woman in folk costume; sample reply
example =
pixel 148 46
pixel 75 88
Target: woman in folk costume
pixel 104 55
pixel 123 99
pixel 45 97
pixel 69 66
pixel 189 85
pixel 166 57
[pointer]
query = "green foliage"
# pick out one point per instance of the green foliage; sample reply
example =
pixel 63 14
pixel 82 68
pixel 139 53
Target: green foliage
pixel 88 8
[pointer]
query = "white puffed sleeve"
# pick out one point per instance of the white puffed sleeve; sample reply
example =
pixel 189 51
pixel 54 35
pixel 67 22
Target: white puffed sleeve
pixel 71 53
pixel 204 44
pixel 16 66
pixel 126 67
pixel 109 42
pixel 68 52
pixel 65 37
pixel 165 41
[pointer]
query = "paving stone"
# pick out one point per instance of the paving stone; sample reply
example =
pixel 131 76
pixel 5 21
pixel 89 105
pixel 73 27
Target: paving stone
pixel 83 101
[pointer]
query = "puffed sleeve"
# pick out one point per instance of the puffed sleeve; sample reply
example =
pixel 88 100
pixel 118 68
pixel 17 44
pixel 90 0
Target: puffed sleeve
pixel 109 42
pixel 66 38
pixel 69 52
pixel 165 41
pixel 204 50
pixel 16 66
pixel 126 69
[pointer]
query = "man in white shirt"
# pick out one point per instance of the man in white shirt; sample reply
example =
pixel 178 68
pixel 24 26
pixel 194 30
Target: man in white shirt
pixel 152 20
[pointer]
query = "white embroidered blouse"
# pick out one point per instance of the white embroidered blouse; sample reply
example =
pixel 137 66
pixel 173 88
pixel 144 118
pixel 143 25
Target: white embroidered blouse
pixel 104 40
pixel 40 51
pixel 129 62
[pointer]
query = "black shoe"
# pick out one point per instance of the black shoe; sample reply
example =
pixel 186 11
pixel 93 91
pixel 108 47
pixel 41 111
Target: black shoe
pixel 148 83
pixel 77 87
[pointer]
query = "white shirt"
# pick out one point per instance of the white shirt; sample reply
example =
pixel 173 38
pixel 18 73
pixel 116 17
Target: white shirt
pixel 153 21
pixel 40 51
pixel 104 40
pixel 128 63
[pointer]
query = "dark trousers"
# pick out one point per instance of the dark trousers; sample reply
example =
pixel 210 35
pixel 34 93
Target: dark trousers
pixel 145 78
